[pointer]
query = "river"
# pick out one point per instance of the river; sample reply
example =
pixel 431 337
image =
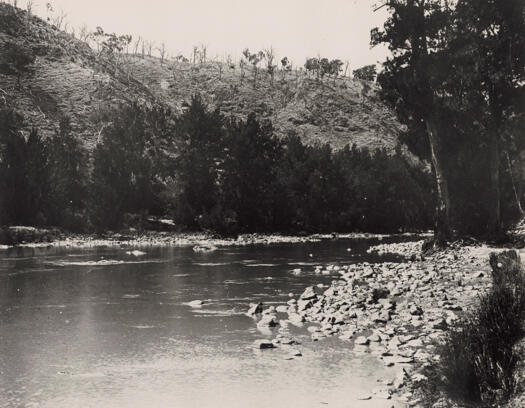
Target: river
pixel 103 328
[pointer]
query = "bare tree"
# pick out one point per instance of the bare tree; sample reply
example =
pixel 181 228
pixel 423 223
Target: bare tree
pixel 202 53
pixel 346 67
pixel 219 66
pixel 84 34
pixel 136 46
pixel 195 53
pixel 59 19
pixel 162 52
pixel 269 54
pixel 149 45
pixel 29 8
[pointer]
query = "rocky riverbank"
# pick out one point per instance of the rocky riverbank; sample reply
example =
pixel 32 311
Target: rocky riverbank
pixel 33 237
pixel 397 312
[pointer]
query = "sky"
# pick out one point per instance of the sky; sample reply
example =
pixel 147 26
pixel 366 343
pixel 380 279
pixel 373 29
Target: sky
pixel 294 28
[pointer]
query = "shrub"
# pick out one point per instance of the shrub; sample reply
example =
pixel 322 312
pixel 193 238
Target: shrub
pixel 478 357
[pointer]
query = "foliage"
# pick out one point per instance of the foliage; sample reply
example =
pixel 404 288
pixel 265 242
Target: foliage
pixel 207 172
pixel 461 115
pixel 323 66
pixel 123 177
pixel 478 357
pixel 236 176
pixel 68 175
pixel 366 73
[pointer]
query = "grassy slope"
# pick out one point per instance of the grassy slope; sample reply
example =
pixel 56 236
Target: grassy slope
pixel 68 79
pixel 340 112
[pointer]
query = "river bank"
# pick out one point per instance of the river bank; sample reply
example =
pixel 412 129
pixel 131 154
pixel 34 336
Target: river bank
pixel 397 312
pixel 29 237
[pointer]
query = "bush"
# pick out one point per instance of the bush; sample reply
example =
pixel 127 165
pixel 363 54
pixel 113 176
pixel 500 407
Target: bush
pixel 478 357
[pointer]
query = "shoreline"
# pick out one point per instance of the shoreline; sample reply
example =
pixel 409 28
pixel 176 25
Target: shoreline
pixel 396 312
pixel 178 239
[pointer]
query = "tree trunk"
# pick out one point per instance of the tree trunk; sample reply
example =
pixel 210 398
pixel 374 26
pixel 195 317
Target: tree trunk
pixel 513 183
pixel 494 226
pixel 442 229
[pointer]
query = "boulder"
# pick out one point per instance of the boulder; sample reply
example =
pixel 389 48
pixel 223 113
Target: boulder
pixel 281 309
pixel 309 293
pixel 415 310
pixel 296 318
pixel 304 304
pixel 362 341
pixel 263 344
pixel 267 321
pixel 255 309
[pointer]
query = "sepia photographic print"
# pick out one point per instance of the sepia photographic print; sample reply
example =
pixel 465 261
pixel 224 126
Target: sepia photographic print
pixel 272 204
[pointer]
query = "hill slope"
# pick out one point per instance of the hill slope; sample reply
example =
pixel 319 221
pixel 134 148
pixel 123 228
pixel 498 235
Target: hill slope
pixel 69 78
pixel 66 77
pixel 339 111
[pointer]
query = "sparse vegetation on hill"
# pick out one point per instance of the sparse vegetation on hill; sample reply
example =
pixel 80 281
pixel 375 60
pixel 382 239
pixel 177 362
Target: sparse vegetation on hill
pixel 69 78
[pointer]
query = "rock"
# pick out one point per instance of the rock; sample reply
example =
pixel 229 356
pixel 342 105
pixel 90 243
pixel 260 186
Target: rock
pixel 364 397
pixel 263 344
pixel 296 353
pixel 309 293
pixel 267 321
pixel 255 309
pixel 196 303
pixel 281 309
pixel 415 310
pixel 347 335
pixel 441 324
pixel 303 304
pixel 362 340
pixel 382 317
pixel 296 318
pixel 136 253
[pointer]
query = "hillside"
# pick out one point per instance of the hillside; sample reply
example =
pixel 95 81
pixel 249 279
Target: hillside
pixel 341 111
pixel 66 77
pixel 69 78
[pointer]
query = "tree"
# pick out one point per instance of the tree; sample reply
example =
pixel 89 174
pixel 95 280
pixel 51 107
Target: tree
pixel 162 52
pixel 254 59
pixel 248 182
pixel 269 54
pixel 195 178
pixel 366 73
pixel 123 163
pixel 412 81
pixel 312 65
pixel 67 166
pixel 493 32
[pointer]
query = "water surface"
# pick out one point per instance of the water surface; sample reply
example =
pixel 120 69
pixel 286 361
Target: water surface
pixel 102 328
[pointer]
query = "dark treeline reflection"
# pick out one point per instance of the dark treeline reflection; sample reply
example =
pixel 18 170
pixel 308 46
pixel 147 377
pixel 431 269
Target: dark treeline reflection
pixel 206 172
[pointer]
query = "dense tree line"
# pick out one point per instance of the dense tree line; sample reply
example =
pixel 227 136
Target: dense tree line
pixel 456 78
pixel 206 172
